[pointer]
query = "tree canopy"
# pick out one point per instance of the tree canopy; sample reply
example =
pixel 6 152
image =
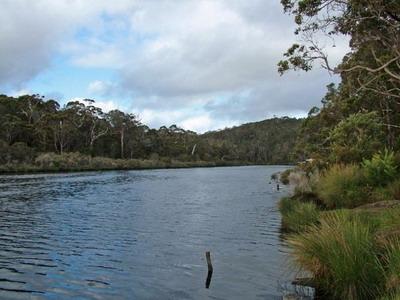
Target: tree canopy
pixel 31 124
pixel 369 92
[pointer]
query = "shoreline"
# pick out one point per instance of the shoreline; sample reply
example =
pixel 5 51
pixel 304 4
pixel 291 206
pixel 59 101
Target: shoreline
pixel 32 169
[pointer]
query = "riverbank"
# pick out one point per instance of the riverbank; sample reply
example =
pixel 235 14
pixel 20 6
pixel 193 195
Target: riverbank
pixel 76 162
pixel 343 226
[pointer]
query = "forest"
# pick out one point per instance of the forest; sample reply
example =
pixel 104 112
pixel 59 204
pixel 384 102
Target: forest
pixel 35 131
pixel 343 216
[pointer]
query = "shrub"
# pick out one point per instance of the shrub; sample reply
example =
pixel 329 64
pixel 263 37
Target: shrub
pixel 341 255
pixel 297 216
pixel 343 186
pixel 357 137
pixel 21 153
pixel 380 169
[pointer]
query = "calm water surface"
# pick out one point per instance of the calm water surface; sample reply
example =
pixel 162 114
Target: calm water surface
pixel 141 235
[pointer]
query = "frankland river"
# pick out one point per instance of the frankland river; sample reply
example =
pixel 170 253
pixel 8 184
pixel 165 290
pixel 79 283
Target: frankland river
pixel 142 234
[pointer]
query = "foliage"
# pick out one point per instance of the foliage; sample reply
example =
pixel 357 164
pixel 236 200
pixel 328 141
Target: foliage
pixel 357 137
pixel 269 141
pixel 297 216
pixel 367 97
pixel 352 254
pixel 373 28
pixel 30 125
pixel 342 256
pixel 392 260
pixel 343 186
pixel 381 168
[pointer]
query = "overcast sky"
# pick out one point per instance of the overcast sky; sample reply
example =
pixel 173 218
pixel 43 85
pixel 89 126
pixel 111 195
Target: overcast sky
pixel 199 64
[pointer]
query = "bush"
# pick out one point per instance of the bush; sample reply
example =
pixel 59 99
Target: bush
pixel 380 169
pixel 343 186
pixel 297 216
pixel 341 255
pixel 16 153
pixel 357 137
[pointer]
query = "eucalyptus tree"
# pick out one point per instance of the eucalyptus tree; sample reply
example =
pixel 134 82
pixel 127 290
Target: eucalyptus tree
pixel 122 123
pixel 370 71
pixel 96 123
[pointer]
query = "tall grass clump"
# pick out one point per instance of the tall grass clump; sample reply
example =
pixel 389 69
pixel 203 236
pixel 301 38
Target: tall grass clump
pixel 391 191
pixel 341 254
pixel 393 296
pixel 392 261
pixel 343 186
pixel 297 216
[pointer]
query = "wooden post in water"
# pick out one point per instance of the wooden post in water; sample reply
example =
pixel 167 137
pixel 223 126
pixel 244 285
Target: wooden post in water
pixel 210 269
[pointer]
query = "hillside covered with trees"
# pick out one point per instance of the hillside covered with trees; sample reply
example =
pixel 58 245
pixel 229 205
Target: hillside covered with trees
pixel 32 127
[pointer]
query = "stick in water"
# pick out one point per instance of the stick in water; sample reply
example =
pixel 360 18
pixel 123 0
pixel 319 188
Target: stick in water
pixel 210 269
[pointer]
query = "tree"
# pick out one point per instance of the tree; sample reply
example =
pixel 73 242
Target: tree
pixel 357 137
pixel 121 123
pixel 374 30
pixel 96 123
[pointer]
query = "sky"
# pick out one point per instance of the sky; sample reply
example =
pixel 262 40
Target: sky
pixel 202 65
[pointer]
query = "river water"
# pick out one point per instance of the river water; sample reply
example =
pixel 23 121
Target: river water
pixel 141 234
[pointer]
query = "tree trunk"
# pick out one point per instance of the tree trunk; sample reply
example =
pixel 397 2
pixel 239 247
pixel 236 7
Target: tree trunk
pixel 122 142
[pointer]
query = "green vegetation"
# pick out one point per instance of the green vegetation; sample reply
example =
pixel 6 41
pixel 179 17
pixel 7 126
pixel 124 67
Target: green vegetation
pixel 350 148
pixel 268 141
pixel 31 127
pixel 342 255
pixel 296 215
pixel 74 161
pixel 345 230
pixel 342 186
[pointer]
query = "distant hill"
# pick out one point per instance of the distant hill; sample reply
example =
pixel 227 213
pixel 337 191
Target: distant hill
pixel 266 142
pixel 31 126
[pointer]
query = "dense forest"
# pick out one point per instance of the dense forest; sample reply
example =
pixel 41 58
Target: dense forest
pixel 31 125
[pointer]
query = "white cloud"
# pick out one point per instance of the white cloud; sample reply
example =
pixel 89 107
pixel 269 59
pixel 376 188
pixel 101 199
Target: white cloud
pixel 21 92
pixel 200 63
pixel 99 87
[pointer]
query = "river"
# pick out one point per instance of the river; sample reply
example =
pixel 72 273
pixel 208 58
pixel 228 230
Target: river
pixel 141 234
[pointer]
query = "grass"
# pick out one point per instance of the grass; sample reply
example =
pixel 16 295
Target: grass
pixel 345 232
pixel 392 261
pixel 297 216
pixel 343 186
pixel 341 254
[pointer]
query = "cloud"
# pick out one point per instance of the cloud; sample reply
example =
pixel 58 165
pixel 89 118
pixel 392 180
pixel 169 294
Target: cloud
pixel 32 32
pixel 102 88
pixel 200 63
pixel 202 47
pixel 187 119
pixel 220 56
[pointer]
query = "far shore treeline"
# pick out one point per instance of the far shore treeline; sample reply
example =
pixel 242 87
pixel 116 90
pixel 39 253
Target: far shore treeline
pixel 38 134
